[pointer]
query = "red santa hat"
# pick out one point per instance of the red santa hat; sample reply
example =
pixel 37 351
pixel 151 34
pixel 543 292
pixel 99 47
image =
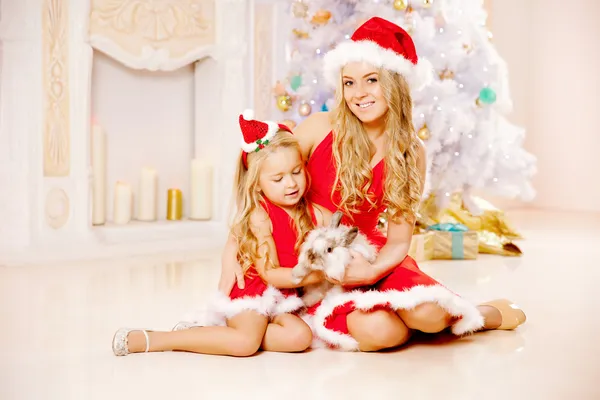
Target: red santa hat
pixel 383 45
pixel 257 134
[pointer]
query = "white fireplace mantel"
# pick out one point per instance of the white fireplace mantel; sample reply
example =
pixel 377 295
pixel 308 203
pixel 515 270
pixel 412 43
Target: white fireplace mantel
pixel 45 83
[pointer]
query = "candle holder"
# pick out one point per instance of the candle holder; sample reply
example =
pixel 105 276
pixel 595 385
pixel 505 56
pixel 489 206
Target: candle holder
pixel 174 205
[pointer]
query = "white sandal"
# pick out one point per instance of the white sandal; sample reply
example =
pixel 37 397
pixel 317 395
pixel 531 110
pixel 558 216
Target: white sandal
pixel 183 325
pixel 119 344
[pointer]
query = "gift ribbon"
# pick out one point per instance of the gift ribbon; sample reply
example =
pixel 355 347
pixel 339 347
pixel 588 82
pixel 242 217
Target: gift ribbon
pixel 458 248
pixel 448 227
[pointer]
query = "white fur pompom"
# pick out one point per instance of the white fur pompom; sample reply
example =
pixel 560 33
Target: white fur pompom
pixel 248 115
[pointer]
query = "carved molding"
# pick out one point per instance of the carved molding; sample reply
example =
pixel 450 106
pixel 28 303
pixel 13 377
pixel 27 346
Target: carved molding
pixel 153 34
pixel 263 59
pixel 57 208
pixel 55 70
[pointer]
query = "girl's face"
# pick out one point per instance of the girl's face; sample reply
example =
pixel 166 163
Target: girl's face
pixel 282 178
pixel 363 93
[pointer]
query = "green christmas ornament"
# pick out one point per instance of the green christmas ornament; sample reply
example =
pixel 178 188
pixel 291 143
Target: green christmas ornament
pixel 295 82
pixel 487 96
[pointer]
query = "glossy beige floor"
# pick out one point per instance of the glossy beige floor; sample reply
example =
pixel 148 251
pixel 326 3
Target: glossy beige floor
pixel 58 321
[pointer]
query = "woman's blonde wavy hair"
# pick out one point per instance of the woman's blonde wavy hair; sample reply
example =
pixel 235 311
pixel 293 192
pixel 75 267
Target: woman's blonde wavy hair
pixel 248 197
pixel 353 152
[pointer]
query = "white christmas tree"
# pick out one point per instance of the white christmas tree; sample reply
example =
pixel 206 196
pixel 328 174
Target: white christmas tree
pixel 460 116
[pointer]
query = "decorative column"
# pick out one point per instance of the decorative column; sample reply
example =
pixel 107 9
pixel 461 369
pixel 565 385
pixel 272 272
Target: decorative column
pixel 19 135
pixel 234 58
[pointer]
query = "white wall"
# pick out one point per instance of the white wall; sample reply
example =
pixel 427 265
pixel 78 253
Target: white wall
pixel 553 55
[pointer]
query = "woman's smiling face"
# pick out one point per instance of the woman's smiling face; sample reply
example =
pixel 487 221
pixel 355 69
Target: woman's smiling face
pixel 363 93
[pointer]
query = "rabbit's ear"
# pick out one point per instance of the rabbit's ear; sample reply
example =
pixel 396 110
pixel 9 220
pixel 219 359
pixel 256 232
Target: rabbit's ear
pixel 336 218
pixel 350 236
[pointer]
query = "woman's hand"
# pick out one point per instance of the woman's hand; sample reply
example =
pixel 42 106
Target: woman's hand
pixel 359 272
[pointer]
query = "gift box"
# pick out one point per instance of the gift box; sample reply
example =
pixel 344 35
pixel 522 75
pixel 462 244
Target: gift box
pixel 421 246
pixel 454 242
pixel 495 233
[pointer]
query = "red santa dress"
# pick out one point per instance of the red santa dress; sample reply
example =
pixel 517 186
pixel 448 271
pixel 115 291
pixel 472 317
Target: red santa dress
pixel 257 295
pixel 405 287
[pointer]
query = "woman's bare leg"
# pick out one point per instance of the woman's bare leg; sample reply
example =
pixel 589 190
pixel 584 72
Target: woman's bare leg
pixel 431 318
pixel 427 317
pixel 241 337
pixel 287 333
pixel 377 330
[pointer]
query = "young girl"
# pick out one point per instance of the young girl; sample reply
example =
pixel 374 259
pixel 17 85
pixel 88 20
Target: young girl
pixel 364 157
pixel 271 221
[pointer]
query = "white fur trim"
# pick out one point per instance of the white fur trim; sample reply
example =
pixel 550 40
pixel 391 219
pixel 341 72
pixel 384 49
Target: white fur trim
pixel 271 303
pixel 263 304
pixel 248 115
pixel 248 147
pixel 287 305
pixel 471 319
pixel 273 128
pixel 417 75
pixel 206 316
pixel 317 343
pixel 272 131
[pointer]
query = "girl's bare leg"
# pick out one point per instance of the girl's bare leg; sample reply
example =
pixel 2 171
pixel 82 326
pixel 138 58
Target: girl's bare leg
pixel 287 333
pixel 241 337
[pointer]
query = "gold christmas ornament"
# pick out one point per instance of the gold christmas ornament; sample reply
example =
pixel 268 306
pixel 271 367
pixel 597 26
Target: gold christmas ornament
pixel 284 103
pixel 400 5
pixel 289 123
pixel 446 74
pixel 299 9
pixel 424 133
pixel 300 34
pixel 305 109
pixel 321 17
pixel 427 3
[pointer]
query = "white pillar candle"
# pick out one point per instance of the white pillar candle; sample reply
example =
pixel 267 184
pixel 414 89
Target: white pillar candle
pixel 201 190
pixel 98 153
pixel 147 195
pixel 123 203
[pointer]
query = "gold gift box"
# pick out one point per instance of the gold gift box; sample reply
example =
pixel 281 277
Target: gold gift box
pixel 421 246
pixel 496 234
pixel 455 245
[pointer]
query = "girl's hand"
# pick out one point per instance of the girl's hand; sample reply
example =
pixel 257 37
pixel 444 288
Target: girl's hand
pixel 359 272
pixel 231 273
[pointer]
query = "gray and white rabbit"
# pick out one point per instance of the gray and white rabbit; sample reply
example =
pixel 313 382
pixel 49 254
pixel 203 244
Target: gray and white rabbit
pixel 327 249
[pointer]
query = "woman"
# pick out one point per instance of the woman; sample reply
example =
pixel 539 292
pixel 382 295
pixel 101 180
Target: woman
pixel 364 157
